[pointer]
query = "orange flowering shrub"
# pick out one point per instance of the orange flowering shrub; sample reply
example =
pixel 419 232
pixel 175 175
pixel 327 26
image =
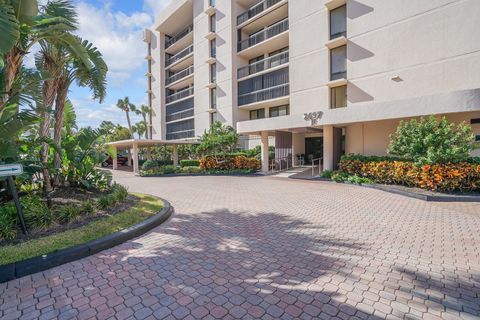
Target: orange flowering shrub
pixel 463 177
pixel 230 163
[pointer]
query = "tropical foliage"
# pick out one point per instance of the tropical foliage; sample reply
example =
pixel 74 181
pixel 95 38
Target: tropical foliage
pixel 219 140
pixel 464 176
pixel 432 141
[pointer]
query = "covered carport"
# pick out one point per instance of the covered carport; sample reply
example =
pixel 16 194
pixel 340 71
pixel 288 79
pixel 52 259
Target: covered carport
pixel 134 145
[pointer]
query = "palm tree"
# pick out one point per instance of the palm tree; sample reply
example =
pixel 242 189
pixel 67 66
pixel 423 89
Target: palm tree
pixel 145 111
pixel 140 129
pixel 23 25
pixel 126 106
pixel 74 70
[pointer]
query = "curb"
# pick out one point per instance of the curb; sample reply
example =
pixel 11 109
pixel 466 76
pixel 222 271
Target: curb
pixel 171 175
pixel 425 197
pixel 41 263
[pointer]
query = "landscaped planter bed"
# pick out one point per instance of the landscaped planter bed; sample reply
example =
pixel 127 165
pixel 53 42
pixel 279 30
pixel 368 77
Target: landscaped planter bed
pixel 22 257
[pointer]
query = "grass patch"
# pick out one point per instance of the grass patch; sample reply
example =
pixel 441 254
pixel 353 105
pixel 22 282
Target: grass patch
pixel 145 208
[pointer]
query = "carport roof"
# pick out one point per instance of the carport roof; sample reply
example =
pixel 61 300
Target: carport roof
pixel 149 143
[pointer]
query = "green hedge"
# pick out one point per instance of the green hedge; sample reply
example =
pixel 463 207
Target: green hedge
pixel 189 163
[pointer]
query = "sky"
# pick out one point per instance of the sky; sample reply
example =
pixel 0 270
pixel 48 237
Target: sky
pixel 115 27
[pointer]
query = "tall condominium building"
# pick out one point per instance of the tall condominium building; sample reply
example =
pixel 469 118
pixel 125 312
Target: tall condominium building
pixel 316 78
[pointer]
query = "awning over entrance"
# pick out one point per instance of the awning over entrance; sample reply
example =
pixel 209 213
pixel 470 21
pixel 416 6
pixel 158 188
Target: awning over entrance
pixel 135 144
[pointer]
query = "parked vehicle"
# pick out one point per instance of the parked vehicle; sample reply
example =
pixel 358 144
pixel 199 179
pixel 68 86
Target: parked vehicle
pixel 122 160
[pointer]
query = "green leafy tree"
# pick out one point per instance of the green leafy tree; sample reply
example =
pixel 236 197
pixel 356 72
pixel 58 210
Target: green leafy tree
pixel 219 140
pixel 431 140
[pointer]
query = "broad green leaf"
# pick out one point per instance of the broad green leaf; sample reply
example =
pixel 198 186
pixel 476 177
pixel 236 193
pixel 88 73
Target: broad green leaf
pixel 9 28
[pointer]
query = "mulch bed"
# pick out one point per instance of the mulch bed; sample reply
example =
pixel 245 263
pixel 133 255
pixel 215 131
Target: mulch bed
pixel 67 196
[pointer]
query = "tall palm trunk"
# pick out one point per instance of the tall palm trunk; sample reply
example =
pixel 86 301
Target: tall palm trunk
pixel 45 115
pixel 13 62
pixel 146 126
pixel 62 91
pixel 129 123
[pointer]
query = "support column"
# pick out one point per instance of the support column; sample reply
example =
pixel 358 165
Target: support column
pixel 175 155
pixel 264 154
pixel 115 158
pixel 328 148
pixel 129 157
pixel 149 153
pixel 135 159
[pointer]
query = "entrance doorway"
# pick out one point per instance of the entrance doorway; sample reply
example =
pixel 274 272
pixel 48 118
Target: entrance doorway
pixel 313 148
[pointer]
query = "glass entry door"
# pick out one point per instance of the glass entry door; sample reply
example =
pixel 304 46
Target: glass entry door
pixel 313 148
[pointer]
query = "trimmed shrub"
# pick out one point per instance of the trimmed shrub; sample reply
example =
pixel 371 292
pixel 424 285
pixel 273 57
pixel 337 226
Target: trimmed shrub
pixel 432 141
pixel 230 163
pixel 193 169
pixel 464 177
pixel 150 165
pixel 189 163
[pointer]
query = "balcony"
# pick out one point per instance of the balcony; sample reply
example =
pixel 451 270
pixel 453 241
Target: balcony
pixel 264 65
pixel 179 78
pixel 256 10
pixel 181 135
pixel 182 115
pixel 169 42
pixel 179 95
pixel 276 35
pixel 267 94
pixel 179 56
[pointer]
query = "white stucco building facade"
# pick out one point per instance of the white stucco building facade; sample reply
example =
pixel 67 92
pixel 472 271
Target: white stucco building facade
pixel 315 78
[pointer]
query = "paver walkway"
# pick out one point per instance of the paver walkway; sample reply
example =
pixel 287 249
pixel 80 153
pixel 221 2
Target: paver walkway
pixel 266 248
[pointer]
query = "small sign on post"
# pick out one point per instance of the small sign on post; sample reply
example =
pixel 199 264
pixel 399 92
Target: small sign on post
pixel 9 171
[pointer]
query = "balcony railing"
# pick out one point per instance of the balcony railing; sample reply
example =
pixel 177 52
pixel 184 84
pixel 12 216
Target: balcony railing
pixel 169 42
pixel 179 95
pixel 338 75
pixel 269 32
pixel 185 52
pixel 181 135
pixel 179 115
pixel 255 10
pixel 264 94
pixel 179 75
pixel 268 63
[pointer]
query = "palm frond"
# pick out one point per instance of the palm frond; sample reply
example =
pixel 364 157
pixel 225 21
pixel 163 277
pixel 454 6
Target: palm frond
pixel 9 28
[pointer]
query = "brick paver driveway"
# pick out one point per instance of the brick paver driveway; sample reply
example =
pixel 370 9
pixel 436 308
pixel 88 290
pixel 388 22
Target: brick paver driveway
pixel 268 248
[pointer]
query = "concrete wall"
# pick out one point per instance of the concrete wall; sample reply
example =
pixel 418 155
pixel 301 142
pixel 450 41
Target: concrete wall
pixel 158 80
pixel 432 46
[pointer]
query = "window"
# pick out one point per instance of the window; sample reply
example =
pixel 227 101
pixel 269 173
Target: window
pixel 213 23
pixel 213 98
pixel 338 63
pixel 257 114
pixel 213 73
pixel 212 3
pixel 475 121
pixel 279 111
pixel 213 48
pixel 338 22
pixel 338 97
pixel 477 138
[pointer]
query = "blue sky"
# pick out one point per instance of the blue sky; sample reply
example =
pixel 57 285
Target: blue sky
pixel 115 27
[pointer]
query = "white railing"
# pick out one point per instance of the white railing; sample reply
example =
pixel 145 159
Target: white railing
pixel 264 94
pixel 179 95
pixel 261 36
pixel 319 165
pixel 256 10
pixel 185 52
pixel 265 64
pixel 180 75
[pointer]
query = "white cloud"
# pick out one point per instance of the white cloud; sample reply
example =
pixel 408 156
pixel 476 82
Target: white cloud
pixel 117 35
pixel 91 113
pixel 155 6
